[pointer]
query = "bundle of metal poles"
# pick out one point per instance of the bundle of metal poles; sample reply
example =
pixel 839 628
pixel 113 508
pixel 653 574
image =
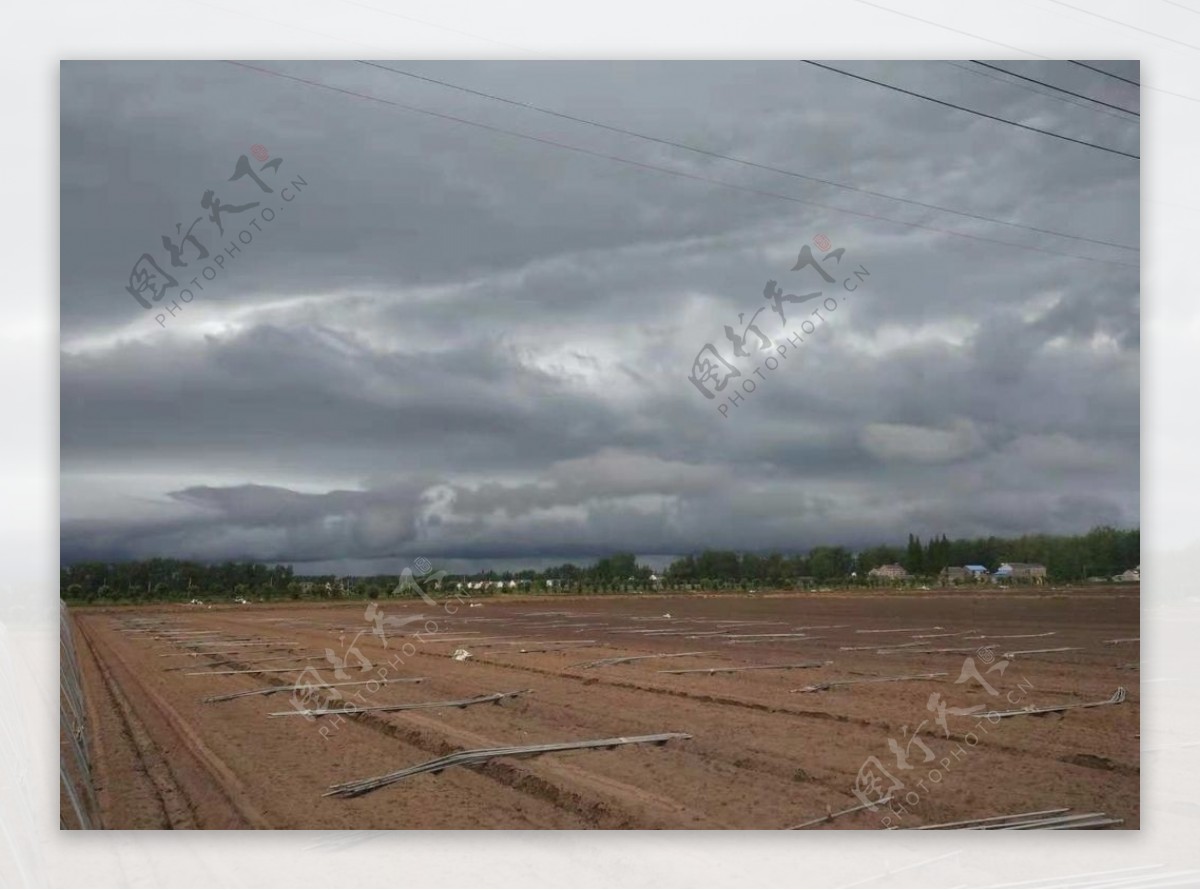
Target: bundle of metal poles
pixel 304 687
pixel 1055 820
pixel 606 662
pixel 352 710
pixel 1115 699
pixel 482 755
pixel 832 684
pixel 748 667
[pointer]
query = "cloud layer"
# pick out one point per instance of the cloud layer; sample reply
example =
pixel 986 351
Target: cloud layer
pixel 459 343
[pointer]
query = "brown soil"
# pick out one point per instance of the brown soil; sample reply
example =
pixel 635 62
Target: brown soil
pixel 761 754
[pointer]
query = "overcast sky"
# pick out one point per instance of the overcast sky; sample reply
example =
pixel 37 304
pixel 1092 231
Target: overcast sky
pixel 457 343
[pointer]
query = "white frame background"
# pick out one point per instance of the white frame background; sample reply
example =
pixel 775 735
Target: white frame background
pixel 1163 34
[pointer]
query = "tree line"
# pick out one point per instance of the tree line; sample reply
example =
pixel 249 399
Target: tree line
pixel 1101 553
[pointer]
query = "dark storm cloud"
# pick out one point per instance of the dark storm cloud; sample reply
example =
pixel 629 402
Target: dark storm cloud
pixel 461 344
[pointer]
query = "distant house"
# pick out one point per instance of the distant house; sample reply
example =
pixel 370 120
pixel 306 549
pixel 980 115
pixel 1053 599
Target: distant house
pixel 1020 572
pixel 1129 575
pixel 956 574
pixel 890 572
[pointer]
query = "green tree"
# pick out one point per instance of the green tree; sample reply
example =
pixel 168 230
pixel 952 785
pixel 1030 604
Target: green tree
pixel 829 563
pixel 914 559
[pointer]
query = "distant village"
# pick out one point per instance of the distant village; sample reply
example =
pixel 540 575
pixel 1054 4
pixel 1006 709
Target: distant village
pixel 1005 573
pixel 1103 555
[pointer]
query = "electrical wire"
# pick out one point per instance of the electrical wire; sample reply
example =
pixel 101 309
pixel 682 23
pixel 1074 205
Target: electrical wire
pixel 749 163
pixel 1053 87
pixel 1105 73
pixel 672 172
pixel 1020 86
pixel 983 114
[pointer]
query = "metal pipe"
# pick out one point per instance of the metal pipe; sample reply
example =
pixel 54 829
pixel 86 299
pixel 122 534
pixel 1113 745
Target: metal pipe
pixel 495 697
pixel 464 758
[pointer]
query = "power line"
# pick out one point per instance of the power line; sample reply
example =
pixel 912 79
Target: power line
pixel 1053 87
pixel 1020 86
pixel 446 28
pixel 1105 18
pixel 1182 6
pixel 668 170
pixel 917 18
pixel 993 117
pixel 749 163
pixel 1105 73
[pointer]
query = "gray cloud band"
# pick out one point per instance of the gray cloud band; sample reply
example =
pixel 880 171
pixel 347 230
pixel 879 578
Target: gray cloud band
pixel 469 347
